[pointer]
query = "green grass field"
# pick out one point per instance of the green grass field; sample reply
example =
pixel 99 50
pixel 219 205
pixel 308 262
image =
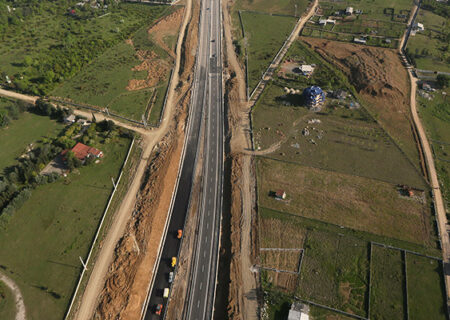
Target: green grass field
pixel 265 34
pixel 43 240
pixel 334 272
pixel 435 115
pixel 430 47
pixel 387 284
pixel 28 129
pixel 354 202
pixel 53 40
pixel 426 295
pixel 286 7
pixel 7 304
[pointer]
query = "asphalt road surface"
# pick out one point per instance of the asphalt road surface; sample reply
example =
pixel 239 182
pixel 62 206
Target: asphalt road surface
pixel 207 100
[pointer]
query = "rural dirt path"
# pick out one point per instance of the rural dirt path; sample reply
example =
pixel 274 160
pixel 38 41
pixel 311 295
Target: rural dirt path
pixel 20 305
pixel 437 194
pixel 19 96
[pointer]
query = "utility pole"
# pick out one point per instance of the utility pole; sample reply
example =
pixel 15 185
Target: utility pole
pixel 114 184
pixel 84 265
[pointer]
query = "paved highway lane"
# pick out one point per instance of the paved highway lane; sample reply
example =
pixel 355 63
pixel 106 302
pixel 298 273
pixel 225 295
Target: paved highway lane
pixel 206 99
pixel 203 281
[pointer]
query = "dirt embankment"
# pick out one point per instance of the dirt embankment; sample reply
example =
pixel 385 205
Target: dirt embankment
pixel 166 28
pixel 382 82
pixel 160 33
pixel 135 254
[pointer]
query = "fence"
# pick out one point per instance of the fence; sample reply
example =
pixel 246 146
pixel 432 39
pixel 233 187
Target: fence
pixel 405 271
pixel 98 232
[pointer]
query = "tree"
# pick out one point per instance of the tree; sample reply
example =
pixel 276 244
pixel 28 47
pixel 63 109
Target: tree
pixel 443 80
pixel 72 161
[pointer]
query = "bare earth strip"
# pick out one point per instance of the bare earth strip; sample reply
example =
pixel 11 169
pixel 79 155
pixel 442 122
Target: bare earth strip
pixel 20 306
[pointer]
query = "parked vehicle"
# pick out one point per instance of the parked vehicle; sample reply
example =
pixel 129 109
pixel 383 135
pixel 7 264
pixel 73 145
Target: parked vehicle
pixel 171 277
pixel 166 293
pixel 174 262
pixel 158 309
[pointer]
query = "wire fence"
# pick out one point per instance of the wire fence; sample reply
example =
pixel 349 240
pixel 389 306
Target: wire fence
pixel 94 242
pixel 405 284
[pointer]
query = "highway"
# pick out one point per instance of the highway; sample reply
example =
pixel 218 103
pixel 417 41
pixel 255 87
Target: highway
pixel 207 104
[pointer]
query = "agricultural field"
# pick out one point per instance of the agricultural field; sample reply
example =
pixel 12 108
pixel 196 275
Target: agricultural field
pixel 435 115
pixel 43 240
pixel 335 272
pixel 264 36
pixel 426 292
pixel 379 23
pixel 428 49
pixel 280 7
pixel 346 200
pixel 7 304
pixel 131 78
pixel 387 284
pixel 24 129
pixel 45 42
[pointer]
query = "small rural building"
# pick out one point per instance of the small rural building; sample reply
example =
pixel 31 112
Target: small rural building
pixel 280 194
pixel 298 311
pixel 82 152
pixel 349 11
pixel 340 94
pixel 83 122
pixel 387 40
pixel 419 27
pixel 306 69
pixel 360 41
pixel 314 96
pixel 70 119
pixel 323 22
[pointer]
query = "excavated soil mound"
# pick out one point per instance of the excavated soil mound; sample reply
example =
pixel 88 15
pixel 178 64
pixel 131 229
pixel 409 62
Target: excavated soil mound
pixel 375 72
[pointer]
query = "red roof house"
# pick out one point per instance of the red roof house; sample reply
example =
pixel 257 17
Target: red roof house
pixel 82 151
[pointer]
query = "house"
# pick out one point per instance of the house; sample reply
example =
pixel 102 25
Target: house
pixel 349 11
pixel 314 97
pixel 280 195
pixel 323 22
pixel 387 40
pixel 83 122
pixel 306 69
pixel 360 41
pixel 82 152
pixel 418 27
pixel 340 94
pixel 298 311
pixel 70 119
pixel 358 11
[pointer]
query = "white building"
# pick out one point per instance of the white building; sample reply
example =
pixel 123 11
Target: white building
pixel 323 22
pixel 419 27
pixel 298 311
pixel 349 11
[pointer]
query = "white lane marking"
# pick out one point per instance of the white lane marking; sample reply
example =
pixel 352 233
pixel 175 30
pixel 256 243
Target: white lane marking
pixel 203 268
pixel 207 225
pixel 204 254
pixel 201 285
pixel 198 304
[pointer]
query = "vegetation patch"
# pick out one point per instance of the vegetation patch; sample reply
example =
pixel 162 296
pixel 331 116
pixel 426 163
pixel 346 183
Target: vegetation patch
pixel 265 34
pixel 334 272
pixel 7 303
pixel 23 132
pixel 426 293
pixel 387 284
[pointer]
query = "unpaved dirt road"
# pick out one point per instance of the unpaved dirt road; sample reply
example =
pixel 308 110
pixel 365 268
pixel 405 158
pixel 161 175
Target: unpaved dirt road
pixel 437 194
pixel 19 96
pixel 18 298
